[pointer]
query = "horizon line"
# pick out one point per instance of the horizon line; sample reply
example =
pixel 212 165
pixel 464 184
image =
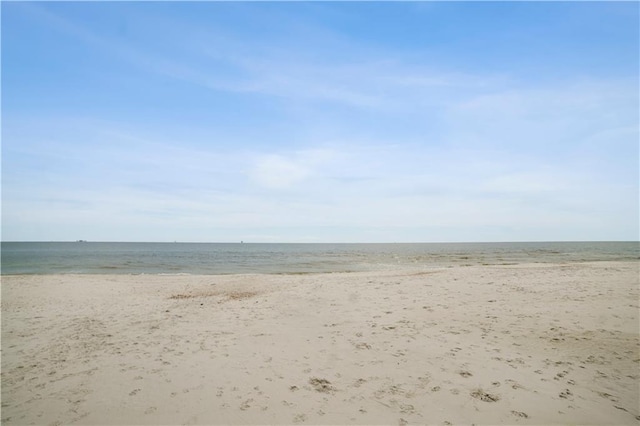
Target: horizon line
pixel 326 242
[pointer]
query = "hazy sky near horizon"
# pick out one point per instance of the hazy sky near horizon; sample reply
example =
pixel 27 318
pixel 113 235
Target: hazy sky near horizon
pixel 320 122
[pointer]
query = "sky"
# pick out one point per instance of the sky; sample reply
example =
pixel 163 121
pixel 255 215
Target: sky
pixel 320 121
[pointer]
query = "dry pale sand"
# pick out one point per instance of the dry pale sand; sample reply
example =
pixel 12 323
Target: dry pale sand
pixel 524 344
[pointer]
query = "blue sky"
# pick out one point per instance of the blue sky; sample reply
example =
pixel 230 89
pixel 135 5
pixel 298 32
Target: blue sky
pixel 320 122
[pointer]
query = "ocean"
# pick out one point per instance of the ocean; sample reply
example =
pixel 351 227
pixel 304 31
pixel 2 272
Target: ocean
pixel 237 258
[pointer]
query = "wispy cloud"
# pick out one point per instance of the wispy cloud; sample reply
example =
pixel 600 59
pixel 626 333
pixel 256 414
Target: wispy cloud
pixel 223 62
pixel 277 171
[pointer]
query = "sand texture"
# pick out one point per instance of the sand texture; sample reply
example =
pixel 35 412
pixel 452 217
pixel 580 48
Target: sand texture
pixel 519 344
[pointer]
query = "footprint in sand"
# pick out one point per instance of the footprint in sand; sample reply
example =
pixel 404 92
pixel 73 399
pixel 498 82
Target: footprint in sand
pixel 607 396
pixel 407 408
pixel 359 382
pixel 565 394
pixel 484 396
pixel 299 418
pixel 321 385
pixel 245 405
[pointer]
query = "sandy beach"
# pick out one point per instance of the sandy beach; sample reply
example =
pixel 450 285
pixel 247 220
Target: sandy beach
pixel 512 344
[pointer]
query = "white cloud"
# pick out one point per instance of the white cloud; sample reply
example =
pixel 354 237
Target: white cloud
pixel 277 172
pixel 281 171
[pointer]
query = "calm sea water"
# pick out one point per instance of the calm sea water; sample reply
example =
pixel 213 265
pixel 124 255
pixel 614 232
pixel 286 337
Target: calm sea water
pixel 204 258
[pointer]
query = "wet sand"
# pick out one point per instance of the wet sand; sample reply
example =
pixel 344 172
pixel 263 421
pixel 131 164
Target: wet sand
pixel 513 344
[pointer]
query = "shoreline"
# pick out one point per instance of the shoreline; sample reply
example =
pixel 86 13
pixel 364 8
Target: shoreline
pixel 213 259
pixel 401 268
pixel 502 344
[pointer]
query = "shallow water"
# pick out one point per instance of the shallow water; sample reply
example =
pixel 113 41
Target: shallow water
pixel 232 258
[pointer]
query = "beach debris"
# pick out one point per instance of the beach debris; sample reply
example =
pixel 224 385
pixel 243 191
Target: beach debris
pixel 240 295
pixel 226 295
pixel 181 296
